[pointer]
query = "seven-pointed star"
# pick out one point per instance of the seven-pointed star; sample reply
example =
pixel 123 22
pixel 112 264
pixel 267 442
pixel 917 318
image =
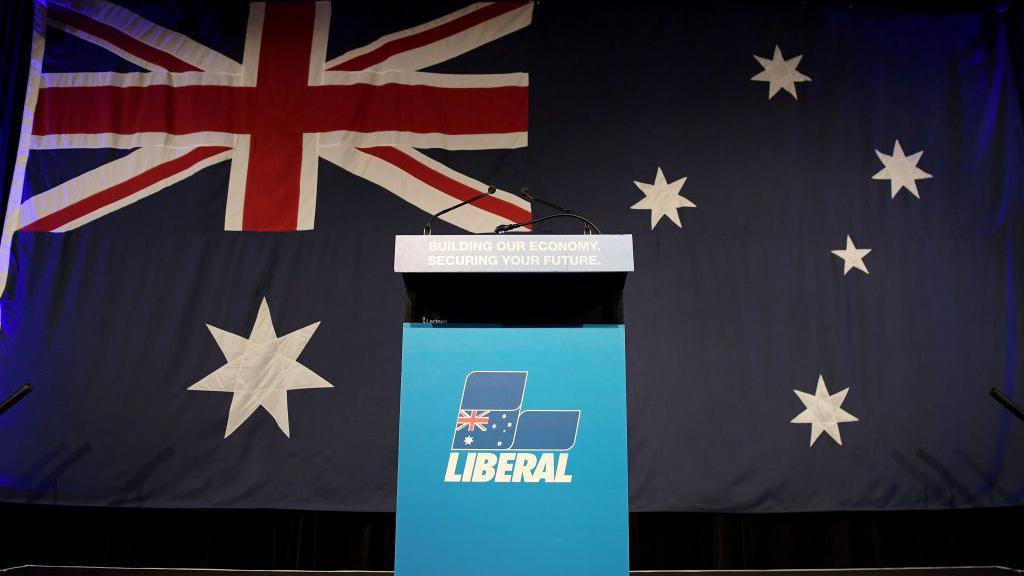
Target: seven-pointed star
pixel 853 257
pixel 901 171
pixel 780 74
pixel 261 370
pixel 662 199
pixel 823 412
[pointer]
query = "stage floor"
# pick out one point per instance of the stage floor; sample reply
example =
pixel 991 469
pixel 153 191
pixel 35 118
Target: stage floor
pixel 99 571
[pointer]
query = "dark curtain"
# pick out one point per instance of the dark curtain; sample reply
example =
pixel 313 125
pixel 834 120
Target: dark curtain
pixel 296 540
pixel 276 539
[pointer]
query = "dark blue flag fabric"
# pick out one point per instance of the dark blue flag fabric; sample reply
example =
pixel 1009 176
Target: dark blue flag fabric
pixel 826 205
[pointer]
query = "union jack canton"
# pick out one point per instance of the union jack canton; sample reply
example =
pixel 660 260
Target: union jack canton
pixel 288 103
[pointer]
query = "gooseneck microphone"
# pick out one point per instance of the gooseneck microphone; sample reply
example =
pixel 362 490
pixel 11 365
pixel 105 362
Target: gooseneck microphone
pixel 525 193
pixel 426 227
pixel 588 226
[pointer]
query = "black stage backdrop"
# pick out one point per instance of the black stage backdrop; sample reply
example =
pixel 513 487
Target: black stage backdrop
pixel 297 540
pixel 289 539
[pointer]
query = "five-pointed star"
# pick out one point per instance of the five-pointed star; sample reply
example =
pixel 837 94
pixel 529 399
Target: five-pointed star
pixel 823 412
pixel 261 370
pixel 662 199
pixel 853 257
pixel 780 74
pixel 901 170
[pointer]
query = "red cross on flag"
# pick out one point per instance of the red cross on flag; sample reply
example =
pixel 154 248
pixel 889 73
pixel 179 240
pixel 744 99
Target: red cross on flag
pixel 273 115
pixel 287 105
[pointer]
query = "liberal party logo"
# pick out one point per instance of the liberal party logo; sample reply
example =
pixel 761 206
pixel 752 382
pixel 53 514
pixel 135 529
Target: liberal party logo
pixel 495 440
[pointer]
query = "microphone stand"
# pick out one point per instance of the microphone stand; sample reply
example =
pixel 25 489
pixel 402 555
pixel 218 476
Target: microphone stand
pixel 14 398
pixel 1009 404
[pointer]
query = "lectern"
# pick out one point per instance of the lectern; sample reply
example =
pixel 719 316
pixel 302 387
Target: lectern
pixel 512 434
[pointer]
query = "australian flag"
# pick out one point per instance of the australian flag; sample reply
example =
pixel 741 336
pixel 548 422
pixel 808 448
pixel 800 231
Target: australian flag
pixel 199 194
pixel 826 202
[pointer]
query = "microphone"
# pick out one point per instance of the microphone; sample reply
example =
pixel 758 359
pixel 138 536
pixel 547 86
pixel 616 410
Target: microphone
pixel 13 398
pixel 426 227
pixel 525 193
pixel 588 226
pixel 502 228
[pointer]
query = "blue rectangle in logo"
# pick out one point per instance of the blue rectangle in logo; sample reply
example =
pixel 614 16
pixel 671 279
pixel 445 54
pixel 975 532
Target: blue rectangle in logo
pixel 494 390
pixel 547 430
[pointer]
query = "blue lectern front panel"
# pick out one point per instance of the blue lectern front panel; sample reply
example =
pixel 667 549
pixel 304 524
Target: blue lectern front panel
pixel 512 452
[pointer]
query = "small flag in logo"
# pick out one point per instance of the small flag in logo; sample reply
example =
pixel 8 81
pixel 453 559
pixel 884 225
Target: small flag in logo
pixel 489 412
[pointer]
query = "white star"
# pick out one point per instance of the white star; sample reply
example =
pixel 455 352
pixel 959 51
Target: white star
pixel 467 440
pixel 499 442
pixel 780 74
pixel 662 199
pixel 823 412
pixel 852 256
pixel 493 426
pixel 901 170
pixel 261 370
pixel 509 425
